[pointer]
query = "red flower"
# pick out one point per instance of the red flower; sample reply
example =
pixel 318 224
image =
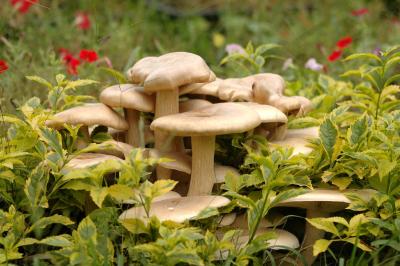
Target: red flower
pixel 70 61
pixel 88 55
pixel 82 21
pixel 360 12
pixel 344 42
pixel 335 55
pixel 22 5
pixel 3 66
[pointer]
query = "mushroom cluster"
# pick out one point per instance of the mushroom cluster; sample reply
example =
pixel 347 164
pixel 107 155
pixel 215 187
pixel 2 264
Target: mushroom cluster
pixel 184 129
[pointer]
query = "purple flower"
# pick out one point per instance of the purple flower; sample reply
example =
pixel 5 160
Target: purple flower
pixel 313 65
pixel 234 48
pixel 377 51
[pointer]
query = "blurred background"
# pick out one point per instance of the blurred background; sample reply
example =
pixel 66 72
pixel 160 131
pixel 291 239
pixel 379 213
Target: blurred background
pixel 91 38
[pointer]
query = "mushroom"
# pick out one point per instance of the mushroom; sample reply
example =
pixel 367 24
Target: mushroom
pixel 203 125
pixel 274 122
pixel 236 89
pixel 133 100
pixel 283 239
pixel 121 135
pixel 318 203
pixel 207 88
pixel 177 210
pixel 298 140
pixel 89 114
pixel 164 75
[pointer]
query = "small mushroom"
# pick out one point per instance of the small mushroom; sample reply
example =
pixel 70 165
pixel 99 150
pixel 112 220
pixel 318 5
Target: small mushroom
pixel 89 114
pixel 203 125
pixel 318 203
pixel 222 170
pixel 177 210
pixel 236 89
pixel 133 100
pixel 207 88
pixel 283 239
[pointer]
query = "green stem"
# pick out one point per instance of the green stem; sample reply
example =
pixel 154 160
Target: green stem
pixel 258 219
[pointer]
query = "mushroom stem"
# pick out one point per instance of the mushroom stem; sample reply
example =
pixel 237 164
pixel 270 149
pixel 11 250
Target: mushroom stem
pixel 203 175
pixel 132 118
pixel 167 103
pixel 83 137
pixel 312 234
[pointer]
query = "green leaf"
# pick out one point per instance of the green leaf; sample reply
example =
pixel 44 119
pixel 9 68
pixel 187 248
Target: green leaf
pixel 357 242
pixel 87 230
pixel 36 187
pixel 385 167
pixel 341 182
pixel 46 221
pixel 27 241
pixel 40 80
pixel 98 195
pixel 160 187
pixel 321 246
pixel 79 83
pixel 357 132
pixel 57 241
pixel 363 56
pixel 135 226
pixel 328 134
pixel 120 78
pixel 324 224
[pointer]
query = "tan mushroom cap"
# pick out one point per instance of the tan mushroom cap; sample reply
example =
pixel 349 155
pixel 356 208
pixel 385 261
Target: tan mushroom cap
pixel 216 119
pixel 180 161
pixel 209 88
pixel 85 160
pixel 117 148
pixel 177 210
pixel 329 200
pixel 267 113
pixel 236 89
pixel 127 96
pixel 193 104
pixel 267 84
pixel 170 71
pixel 88 114
pixel 222 170
pixel 283 239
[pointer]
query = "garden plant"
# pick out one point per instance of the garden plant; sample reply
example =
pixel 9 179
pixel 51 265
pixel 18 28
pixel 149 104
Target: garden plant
pixel 215 147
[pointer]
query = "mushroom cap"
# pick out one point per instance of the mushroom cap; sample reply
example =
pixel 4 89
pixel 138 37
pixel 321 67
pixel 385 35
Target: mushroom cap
pixel 193 104
pixel 127 96
pixel 329 200
pixel 85 160
pixel 216 119
pixel 180 161
pixel 178 209
pixel 305 104
pixel 88 114
pixel 118 149
pixel 236 89
pixel 299 145
pixel 267 113
pixel 283 239
pixel 170 71
pixel 227 219
pixel 221 171
pixel 209 88
pixel 266 84
pixel 308 132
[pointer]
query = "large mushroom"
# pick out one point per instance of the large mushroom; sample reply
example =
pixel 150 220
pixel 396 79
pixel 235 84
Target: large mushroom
pixel 318 203
pixel 164 75
pixel 133 100
pixel 89 114
pixel 203 125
